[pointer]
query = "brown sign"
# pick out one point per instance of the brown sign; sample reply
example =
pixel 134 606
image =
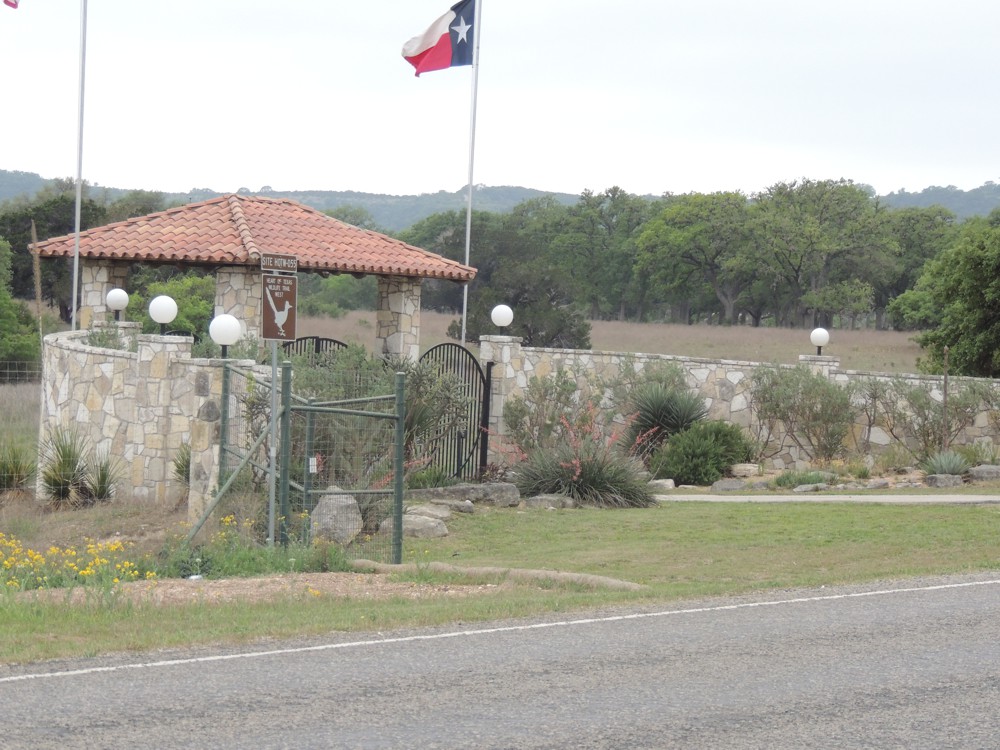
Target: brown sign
pixel 278 311
pixel 277 263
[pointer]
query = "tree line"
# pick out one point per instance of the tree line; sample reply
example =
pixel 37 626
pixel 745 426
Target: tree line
pixel 803 253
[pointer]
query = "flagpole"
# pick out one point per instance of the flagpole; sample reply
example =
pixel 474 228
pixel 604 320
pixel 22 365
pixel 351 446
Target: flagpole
pixel 472 153
pixel 79 161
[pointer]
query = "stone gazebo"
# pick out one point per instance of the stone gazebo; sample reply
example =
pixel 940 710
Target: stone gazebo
pixel 228 235
pixel 142 404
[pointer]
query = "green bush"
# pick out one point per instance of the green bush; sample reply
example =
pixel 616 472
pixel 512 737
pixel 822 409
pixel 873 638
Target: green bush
pixel 659 412
pixel 979 454
pixel 945 462
pixel 690 457
pixel 790 479
pixel 182 464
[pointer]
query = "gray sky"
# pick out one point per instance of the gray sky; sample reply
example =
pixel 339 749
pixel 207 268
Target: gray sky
pixel 649 95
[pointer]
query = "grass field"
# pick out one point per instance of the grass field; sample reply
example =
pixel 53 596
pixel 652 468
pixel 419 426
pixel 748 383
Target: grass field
pixel 870 351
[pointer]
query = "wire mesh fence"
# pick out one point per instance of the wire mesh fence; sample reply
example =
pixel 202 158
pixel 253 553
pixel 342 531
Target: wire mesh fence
pixel 335 450
pixel 20 371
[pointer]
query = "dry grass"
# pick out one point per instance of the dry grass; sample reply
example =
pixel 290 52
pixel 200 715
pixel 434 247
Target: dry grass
pixel 870 351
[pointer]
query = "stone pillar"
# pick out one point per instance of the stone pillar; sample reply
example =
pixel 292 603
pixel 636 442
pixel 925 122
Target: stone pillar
pixel 820 364
pixel 398 317
pixel 508 369
pixel 239 291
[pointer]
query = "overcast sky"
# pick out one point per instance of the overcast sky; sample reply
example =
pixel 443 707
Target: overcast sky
pixel 649 95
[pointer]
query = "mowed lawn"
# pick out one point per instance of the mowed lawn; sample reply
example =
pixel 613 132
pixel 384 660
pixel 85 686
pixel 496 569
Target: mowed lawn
pixel 869 351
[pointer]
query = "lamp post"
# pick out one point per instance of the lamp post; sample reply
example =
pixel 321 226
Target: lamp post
pixel 225 331
pixel 117 300
pixel 163 310
pixel 819 338
pixel 502 316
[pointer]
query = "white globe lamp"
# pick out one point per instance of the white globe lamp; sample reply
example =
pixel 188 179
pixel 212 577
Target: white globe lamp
pixel 117 300
pixel 819 337
pixel 502 316
pixel 163 310
pixel 225 331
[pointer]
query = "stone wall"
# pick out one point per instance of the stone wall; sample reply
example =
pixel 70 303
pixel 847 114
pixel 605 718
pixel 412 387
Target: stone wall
pixel 723 384
pixel 137 405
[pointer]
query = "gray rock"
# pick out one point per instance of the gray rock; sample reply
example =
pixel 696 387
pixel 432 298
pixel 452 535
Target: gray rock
pixel 819 487
pixel 729 485
pixel 336 517
pixel 984 473
pixel 658 486
pixel 500 494
pixel 458 506
pixel 440 512
pixel 417 527
pixel 549 501
pixel 943 480
pixel 878 484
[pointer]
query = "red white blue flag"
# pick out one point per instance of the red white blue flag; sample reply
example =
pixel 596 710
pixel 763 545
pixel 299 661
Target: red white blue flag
pixel 447 43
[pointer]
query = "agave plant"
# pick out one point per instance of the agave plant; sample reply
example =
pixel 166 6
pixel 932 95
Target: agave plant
pixel 945 462
pixel 64 469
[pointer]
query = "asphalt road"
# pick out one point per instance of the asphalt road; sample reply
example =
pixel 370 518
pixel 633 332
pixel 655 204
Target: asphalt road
pixel 909 665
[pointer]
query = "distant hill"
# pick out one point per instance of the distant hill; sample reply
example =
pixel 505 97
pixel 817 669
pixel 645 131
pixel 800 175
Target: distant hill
pixel 397 212
pixel 390 212
pixel 963 203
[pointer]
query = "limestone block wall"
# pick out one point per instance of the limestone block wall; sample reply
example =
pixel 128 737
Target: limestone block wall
pixel 723 384
pixel 138 406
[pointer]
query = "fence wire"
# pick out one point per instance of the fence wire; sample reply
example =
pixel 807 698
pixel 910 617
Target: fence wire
pixel 339 455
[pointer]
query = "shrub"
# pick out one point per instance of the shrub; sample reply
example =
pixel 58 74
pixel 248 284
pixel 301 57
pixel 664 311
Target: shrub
pixel 945 462
pixel 688 458
pixel 659 412
pixel 817 415
pixel 587 467
pixel 182 464
pixel 789 479
pixel 979 454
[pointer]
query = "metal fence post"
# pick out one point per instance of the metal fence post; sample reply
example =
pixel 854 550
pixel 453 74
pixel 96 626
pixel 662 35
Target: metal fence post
pixel 286 447
pixel 398 468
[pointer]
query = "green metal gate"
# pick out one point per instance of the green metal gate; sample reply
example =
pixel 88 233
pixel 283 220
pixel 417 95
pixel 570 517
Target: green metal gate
pixel 351 446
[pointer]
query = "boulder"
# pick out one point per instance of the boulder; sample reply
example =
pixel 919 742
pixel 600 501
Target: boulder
pixel 728 485
pixel 500 494
pixel 417 527
pixel 819 487
pixel 659 486
pixel 549 501
pixel 943 480
pixel 984 473
pixel 440 512
pixel 336 517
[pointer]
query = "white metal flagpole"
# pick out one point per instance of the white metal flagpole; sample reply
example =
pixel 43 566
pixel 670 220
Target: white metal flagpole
pixel 79 162
pixel 477 24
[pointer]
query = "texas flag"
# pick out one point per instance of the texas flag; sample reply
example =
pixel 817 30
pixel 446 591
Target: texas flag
pixel 447 43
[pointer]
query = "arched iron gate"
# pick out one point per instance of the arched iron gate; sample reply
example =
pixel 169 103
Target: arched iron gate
pixel 312 345
pixel 465 450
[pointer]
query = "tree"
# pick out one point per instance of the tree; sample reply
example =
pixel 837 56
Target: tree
pixel 964 284
pixel 54 213
pixel 812 234
pixel 703 237
pixel 19 339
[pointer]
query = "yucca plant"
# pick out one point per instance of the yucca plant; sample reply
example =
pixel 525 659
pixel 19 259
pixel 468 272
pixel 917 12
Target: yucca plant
pixel 64 470
pixel 182 464
pixel 945 462
pixel 102 475
pixel 659 412
pixel 17 467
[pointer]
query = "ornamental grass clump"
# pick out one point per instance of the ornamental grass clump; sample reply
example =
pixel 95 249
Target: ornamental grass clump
pixel 587 467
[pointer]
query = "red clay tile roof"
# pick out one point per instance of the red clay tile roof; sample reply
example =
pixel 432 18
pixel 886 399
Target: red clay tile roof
pixel 235 229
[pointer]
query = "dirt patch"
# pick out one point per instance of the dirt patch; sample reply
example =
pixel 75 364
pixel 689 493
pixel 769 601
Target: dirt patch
pixel 284 587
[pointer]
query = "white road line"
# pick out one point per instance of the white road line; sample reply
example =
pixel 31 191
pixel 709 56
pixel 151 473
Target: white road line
pixel 488 631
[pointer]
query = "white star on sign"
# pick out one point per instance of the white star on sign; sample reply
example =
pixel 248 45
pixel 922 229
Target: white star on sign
pixel 462 30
